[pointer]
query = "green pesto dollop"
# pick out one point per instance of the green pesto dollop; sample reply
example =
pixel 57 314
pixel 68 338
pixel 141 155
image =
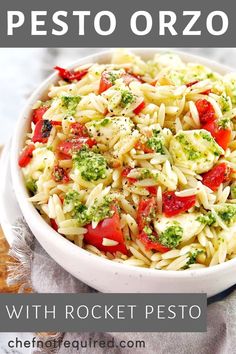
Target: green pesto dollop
pixel 192 258
pixel 126 97
pixel 83 214
pixel 225 103
pixel 227 213
pixel 172 235
pixel 207 219
pixel 146 173
pixel 70 103
pixel 156 142
pixel 92 165
pixel 113 76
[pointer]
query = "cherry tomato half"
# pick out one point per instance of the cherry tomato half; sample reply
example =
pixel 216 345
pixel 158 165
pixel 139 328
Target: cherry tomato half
pixel 108 228
pixel 217 175
pixel 26 155
pixel 173 205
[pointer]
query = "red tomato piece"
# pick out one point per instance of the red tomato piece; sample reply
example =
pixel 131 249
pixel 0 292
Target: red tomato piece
pixel 139 109
pixel 54 224
pixel 221 136
pixel 38 114
pixel 56 123
pixel 67 147
pixel 207 92
pixel 152 245
pixel 191 83
pixel 60 175
pixel 217 175
pixel 152 190
pixel 146 212
pixel 42 131
pixel 143 147
pixel 79 129
pixel 69 75
pixel 129 77
pixel 206 111
pixel 105 82
pixel 26 155
pixel 173 205
pixel 108 228
pixel 125 173
pixel 146 208
pixel 153 83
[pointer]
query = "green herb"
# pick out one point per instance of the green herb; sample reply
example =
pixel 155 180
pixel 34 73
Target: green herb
pixel 31 186
pixel 70 103
pixel 156 142
pixel 92 165
pixel 227 213
pixel 78 209
pixel 113 76
pixel 210 75
pixel 172 236
pixel 145 173
pixel 148 231
pixel 192 258
pixel 84 215
pixel 207 219
pixel 100 211
pixel 188 148
pixel 126 98
pixel 224 123
pixel 225 103
pixel 206 136
pixel 104 122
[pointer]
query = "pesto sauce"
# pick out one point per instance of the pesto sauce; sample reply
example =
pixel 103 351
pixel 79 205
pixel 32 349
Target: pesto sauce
pixel 191 152
pixel 145 173
pixel 225 103
pixel 207 219
pixel 84 215
pixel 156 142
pixel 70 103
pixel 126 98
pixel 192 258
pixel 172 236
pixel 227 214
pixel 92 165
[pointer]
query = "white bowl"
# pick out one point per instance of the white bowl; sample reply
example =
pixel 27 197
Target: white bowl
pixel 99 273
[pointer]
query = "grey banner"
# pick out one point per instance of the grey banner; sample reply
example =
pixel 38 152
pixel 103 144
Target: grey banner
pixel 18 30
pixel 103 312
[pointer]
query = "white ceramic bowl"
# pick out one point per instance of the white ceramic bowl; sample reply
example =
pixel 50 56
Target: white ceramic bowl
pixel 99 273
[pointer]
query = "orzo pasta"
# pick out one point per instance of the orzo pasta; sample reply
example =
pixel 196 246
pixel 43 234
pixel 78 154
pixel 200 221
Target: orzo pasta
pixel 135 161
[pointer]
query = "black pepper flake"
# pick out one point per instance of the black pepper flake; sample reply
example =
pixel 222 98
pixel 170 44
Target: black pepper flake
pixel 46 128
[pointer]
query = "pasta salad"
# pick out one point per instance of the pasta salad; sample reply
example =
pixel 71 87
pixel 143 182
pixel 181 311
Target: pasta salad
pixel 135 161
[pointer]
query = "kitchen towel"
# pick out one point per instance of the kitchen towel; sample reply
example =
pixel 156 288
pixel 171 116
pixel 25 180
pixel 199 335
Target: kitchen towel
pixel 37 270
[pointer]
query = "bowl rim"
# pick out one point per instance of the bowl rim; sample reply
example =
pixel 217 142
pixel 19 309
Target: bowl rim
pixel 27 207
